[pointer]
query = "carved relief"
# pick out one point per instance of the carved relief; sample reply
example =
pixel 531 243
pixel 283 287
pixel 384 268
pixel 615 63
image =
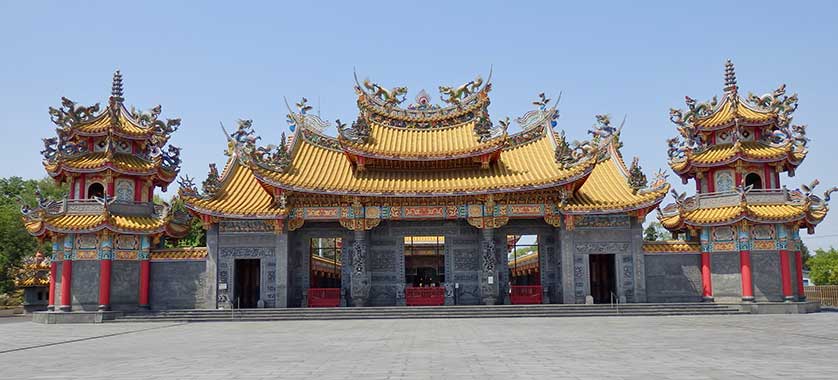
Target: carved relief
pixel 594 221
pixel 602 247
pixel 465 259
pixel 235 226
pixel 382 261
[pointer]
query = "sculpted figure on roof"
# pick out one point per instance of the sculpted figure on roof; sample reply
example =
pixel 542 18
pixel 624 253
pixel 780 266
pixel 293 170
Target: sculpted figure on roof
pixel 455 95
pixel 70 114
pixel 390 97
pixel 777 102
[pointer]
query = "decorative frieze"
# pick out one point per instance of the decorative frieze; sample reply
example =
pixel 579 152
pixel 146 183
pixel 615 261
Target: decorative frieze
pixel 602 221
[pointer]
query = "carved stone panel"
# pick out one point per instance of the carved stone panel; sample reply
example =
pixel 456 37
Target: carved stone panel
pixel 602 247
pixel 466 259
pixel 579 275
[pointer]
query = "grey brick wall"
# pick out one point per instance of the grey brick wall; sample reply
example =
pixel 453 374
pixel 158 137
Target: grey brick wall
pixel 178 285
pixel 673 277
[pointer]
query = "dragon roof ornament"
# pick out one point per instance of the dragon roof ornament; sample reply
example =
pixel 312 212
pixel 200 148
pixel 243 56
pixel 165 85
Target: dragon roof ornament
pixel 383 105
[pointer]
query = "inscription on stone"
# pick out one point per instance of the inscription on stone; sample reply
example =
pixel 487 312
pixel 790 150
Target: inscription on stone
pixel 245 252
pixel 237 226
pixel 465 277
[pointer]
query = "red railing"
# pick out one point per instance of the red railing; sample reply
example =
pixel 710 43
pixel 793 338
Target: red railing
pixel 522 295
pixel 323 297
pixel 415 296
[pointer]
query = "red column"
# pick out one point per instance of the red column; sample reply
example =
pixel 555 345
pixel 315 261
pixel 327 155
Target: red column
pixel 66 281
pixel 798 267
pixel 785 275
pixel 706 279
pixel 105 284
pixel 747 281
pixel 82 188
pixel 53 268
pixel 145 269
pixel 110 188
pixel 711 181
pixel 138 190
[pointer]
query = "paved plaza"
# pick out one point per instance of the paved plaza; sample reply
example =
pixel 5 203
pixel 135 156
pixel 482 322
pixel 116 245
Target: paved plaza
pixel 718 347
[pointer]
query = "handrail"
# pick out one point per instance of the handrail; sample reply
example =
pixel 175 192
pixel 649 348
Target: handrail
pixel 615 304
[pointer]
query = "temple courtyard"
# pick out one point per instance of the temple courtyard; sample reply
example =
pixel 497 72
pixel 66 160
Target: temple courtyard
pixel 716 347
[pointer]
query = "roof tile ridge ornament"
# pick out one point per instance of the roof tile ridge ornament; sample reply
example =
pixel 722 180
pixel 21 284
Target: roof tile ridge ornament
pixel 116 88
pixel 731 87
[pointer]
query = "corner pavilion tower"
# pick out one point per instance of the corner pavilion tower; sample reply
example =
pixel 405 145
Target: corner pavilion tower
pixel 113 160
pixel 747 223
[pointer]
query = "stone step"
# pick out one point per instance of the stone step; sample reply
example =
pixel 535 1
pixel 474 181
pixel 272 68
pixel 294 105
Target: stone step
pixel 514 311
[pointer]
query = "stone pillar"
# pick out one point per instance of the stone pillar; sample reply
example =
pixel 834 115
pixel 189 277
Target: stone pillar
pixel 281 253
pixel 211 272
pixel 488 268
pixel 638 262
pixel 566 250
pixel 360 286
pixel 145 272
pixel 785 275
pixel 67 274
pixel 105 261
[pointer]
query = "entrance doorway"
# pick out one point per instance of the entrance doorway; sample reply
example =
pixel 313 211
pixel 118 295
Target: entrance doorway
pixel 523 269
pixel 424 270
pixel 603 283
pixel 247 272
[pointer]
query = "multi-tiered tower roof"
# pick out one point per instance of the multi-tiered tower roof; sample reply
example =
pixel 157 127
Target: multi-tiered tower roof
pixel 735 148
pixel 112 159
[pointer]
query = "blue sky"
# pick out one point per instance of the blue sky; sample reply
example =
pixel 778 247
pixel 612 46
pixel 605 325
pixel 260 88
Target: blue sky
pixel 212 62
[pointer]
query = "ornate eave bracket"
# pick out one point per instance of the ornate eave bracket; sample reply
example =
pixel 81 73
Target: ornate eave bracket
pixel 487 215
pixel 357 217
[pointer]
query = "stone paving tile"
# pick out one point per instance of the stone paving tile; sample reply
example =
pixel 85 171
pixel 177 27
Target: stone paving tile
pixel 719 347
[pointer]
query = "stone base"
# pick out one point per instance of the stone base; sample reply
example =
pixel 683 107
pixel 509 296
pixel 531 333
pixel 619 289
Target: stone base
pixel 780 307
pixel 56 317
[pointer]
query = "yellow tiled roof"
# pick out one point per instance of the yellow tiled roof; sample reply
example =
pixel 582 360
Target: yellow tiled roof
pixel 526 166
pixel 747 149
pixel 725 114
pixel 240 194
pixel 187 253
pixel 455 141
pixel 607 188
pixel 670 246
pixel 97 160
pixel 79 223
pixel 104 121
pixel 717 215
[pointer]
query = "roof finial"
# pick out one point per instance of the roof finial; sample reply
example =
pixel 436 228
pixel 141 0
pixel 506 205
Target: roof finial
pixel 116 88
pixel 730 77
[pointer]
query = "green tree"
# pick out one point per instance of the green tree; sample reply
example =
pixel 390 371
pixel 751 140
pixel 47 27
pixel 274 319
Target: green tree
pixel 824 267
pixel 196 237
pixel 805 255
pixel 655 231
pixel 15 242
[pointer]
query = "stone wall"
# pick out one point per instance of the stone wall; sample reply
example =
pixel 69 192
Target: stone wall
pixel 673 277
pixel 125 285
pixel 726 278
pixel 85 285
pixel 178 285
pixel 765 269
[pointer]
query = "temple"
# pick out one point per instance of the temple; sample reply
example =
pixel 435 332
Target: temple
pixel 427 204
